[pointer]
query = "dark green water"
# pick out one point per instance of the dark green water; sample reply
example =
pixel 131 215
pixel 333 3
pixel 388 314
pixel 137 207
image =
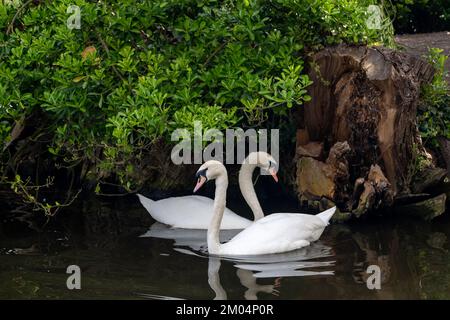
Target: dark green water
pixel 117 262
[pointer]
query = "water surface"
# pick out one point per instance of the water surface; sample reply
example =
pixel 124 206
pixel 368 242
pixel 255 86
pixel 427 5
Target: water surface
pixel 124 255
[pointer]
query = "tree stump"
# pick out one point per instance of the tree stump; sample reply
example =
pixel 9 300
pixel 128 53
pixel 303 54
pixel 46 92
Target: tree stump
pixel 363 117
pixel 444 145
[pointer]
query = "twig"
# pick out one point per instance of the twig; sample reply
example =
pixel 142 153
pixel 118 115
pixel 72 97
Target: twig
pixel 66 204
pixel 21 211
pixel 113 194
pixel 11 25
pixel 105 46
pixel 214 53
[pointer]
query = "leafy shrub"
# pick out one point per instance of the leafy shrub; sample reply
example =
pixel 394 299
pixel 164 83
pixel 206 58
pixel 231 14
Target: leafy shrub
pixel 434 108
pixel 136 70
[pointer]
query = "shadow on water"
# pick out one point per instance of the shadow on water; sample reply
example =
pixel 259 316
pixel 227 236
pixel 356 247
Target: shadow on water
pixel 123 254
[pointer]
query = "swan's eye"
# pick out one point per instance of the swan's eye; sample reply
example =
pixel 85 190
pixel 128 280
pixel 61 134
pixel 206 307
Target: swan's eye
pixel 272 165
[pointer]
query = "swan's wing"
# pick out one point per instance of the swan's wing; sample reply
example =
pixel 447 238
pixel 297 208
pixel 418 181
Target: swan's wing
pixel 315 250
pixel 275 233
pixel 193 212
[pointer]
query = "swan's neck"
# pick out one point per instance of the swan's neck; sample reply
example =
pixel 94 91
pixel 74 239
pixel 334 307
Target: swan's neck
pixel 248 191
pixel 219 208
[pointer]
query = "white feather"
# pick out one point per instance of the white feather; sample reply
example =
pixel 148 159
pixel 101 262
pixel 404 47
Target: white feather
pixel 190 212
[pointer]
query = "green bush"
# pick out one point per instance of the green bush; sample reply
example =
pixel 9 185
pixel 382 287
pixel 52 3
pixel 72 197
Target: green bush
pixel 136 70
pixel 434 107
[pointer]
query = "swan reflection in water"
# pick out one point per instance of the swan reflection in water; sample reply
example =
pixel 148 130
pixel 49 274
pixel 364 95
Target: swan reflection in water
pixel 299 263
pixel 192 238
pixel 246 278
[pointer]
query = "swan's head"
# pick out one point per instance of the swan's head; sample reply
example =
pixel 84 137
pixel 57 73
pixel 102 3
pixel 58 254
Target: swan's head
pixel 210 170
pixel 265 161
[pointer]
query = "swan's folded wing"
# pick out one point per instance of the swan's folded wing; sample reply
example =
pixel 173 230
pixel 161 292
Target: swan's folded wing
pixel 193 212
pixel 275 233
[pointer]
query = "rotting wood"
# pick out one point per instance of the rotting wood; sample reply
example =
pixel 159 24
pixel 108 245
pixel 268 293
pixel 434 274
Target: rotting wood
pixel 365 99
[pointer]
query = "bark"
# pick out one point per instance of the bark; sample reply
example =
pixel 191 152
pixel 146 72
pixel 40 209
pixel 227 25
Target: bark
pixel 363 115
pixel 444 145
pixel 427 209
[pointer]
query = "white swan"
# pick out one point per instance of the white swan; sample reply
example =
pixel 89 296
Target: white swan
pixel 195 212
pixel 276 233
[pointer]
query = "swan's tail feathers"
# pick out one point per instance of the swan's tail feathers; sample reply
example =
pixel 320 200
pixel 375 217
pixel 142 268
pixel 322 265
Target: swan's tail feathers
pixel 146 202
pixel 326 215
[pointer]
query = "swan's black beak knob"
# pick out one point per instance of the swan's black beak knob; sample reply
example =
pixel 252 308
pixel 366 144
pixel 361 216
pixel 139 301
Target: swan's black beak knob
pixel 201 179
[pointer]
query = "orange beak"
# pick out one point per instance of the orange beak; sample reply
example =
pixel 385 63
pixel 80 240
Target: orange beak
pixel 274 174
pixel 201 180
